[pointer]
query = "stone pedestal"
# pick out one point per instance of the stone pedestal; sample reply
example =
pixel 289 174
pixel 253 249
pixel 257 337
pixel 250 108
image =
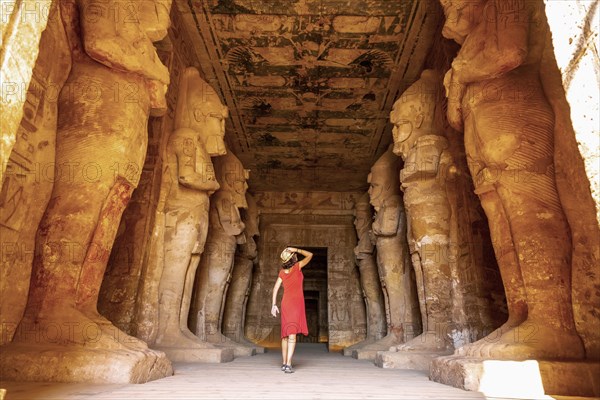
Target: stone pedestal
pixel 348 351
pixel 368 352
pixel 418 360
pixel 518 379
pixel 208 355
pixel 54 363
pixel 239 350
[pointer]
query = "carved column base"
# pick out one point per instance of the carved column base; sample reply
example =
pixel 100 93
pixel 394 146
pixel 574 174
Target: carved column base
pixel 245 342
pixel 350 349
pixel 210 354
pixel 239 350
pixel 55 363
pixel 418 360
pixel 518 379
pixel 369 352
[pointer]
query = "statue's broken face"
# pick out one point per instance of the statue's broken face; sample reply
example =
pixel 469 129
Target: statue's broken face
pixel 375 190
pixel 461 17
pixel 153 16
pixel 209 116
pixel 213 130
pixel 411 119
pixel 235 181
pixel 404 120
pixel 362 219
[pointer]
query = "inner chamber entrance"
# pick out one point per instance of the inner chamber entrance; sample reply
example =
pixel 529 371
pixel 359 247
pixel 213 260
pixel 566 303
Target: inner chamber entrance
pixel 315 297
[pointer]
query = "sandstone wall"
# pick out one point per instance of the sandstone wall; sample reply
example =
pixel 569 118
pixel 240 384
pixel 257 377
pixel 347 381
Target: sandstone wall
pixel 30 167
pixel 570 78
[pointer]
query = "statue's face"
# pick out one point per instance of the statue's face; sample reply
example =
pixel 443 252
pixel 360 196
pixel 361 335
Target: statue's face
pixel 236 180
pixel 376 189
pixel 209 116
pixel 461 17
pixel 362 219
pixel 404 117
pixel 153 16
pixel 213 130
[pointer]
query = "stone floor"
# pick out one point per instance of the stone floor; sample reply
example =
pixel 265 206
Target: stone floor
pixel 319 375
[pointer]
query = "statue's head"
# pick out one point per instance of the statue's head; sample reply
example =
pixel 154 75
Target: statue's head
pixel 414 113
pixel 461 18
pixel 199 108
pixel 232 177
pixel 363 215
pixel 384 180
pixel 153 17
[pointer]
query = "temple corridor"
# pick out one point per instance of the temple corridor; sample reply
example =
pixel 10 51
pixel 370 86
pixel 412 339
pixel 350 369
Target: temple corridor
pixel 411 187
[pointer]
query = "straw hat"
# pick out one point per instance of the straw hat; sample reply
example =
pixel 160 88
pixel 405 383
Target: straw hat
pixel 286 255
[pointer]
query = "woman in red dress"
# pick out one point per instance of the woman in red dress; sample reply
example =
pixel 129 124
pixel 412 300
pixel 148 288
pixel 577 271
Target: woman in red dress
pixel 293 315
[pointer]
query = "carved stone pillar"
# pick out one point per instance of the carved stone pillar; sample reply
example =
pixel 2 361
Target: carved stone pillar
pixel 369 276
pixel 426 163
pixel 225 232
pixel 246 257
pixel 188 181
pixel 393 257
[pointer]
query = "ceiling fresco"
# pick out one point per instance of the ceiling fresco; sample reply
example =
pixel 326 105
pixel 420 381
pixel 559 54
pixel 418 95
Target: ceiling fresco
pixel 309 84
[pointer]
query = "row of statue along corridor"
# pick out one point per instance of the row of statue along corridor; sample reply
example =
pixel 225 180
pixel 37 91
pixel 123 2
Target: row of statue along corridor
pixel 429 295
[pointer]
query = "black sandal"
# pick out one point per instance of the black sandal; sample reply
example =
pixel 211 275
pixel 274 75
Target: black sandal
pixel 288 369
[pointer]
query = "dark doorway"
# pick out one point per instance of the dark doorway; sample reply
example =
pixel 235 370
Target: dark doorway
pixel 315 297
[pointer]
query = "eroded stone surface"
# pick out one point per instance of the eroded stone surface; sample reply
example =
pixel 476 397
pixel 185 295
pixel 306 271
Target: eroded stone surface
pixel 21 29
pixel 29 176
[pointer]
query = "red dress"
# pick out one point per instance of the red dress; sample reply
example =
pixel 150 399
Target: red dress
pixel 293 314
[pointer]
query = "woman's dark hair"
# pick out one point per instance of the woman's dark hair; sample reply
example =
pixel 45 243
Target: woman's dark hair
pixel 290 263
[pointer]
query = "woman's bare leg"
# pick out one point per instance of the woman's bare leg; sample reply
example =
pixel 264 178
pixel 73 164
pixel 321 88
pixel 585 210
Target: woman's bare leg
pixel 290 348
pixel 284 349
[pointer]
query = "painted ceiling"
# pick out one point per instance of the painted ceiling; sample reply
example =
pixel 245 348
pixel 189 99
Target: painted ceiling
pixel 309 83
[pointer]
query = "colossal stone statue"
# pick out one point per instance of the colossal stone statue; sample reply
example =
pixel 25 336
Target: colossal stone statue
pixel 369 277
pixel 246 257
pixel 116 82
pixel 393 257
pixel 188 181
pixel 426 165
pixel 224 234
pixel 495 95
pixel 27 183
